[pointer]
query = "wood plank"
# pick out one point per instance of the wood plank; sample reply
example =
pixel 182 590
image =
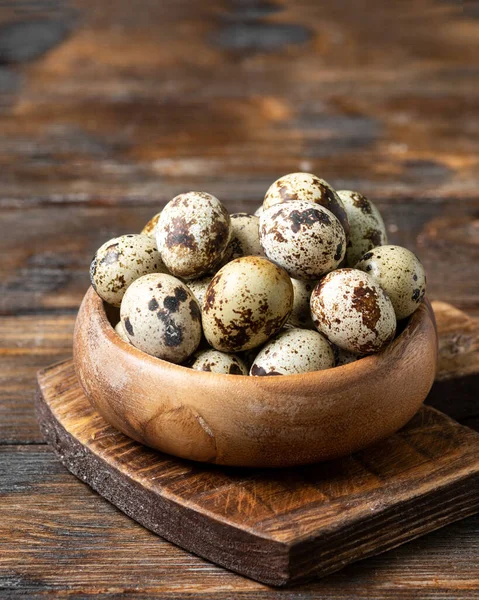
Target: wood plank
pixel 420 479
pixel 74 542
pixel 47 251
pixel 456 390
pixel 115 103
pixel 31 342
pixel 27 343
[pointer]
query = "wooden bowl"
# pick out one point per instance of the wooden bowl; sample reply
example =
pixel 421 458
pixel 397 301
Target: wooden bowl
pixel 253 421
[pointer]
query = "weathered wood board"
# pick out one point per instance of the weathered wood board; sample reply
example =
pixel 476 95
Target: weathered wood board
pixel 277 526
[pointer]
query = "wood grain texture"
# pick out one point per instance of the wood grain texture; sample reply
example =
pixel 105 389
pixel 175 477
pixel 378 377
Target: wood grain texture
pixel 276 526
pixel 47 250
pixel 147 99
pixel 458 367
pixel 60 538
pixel 29 343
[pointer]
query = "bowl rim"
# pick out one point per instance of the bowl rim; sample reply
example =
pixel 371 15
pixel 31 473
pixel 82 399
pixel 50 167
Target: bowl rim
pixel 371 361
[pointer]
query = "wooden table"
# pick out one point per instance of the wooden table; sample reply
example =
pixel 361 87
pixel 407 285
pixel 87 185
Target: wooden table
pixel 107 110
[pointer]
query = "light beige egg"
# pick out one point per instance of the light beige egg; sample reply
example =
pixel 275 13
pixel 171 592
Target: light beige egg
pixel 305 239
pixel 353 311
pixel 301 314
pixel 294 351
pixel 161 317
pixel 309 188
pixel 120 330
pixel 150 227
pixel 219 362
pixel 401 275
pixel 199 287
pixel 192 234
pixel 244 237
pixel 120 261
pixel 247 302
pixel 366 226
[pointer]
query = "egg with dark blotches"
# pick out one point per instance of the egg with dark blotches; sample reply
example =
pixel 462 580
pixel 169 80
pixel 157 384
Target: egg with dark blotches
pixel 309 188
pixel 120 330
pixel 219 362
pixel 366 226
pixel 161 317
pixel 305 239
pixel 353 311
pixel 192 233
pixel 120 261
pixel 244 237
pixel 401 275
pixel 199 287
pixel 301 314
pixel 247 302
pixel 294 351
pixel 150 227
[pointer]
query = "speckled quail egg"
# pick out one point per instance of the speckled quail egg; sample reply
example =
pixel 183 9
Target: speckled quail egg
pixel 301 314
pixel 307 187
pixel 150 227
pixel 244 237
pixel 294 351
pixel 353 311
pixel 120 330
pixel 259 211
pixel 366 226
pixel 247 302
pixel 401 275
pixel 192 234
pixel 344 357
pixel 305 239
pixel 199 287
pixel 161 317
pixel 120 261
pixel 219 362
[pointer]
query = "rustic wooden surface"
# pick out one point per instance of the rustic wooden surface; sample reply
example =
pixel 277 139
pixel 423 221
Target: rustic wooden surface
pixel 109 110
pixel 276 526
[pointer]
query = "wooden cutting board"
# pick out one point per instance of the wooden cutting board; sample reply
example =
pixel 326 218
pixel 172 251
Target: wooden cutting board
pixel 277 526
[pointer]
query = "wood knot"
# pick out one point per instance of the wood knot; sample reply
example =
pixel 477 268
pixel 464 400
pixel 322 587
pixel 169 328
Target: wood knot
pixel 182 432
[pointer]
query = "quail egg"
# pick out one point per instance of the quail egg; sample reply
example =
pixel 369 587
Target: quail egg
pixel 366 226
pixel 305 239
pixel 301 314
pixel 161 317
pixel 199 287
pixel 192 234
pixel 120 261
pixel 244 237
pixel 344 357
pixel 259 211
pixel 219 362
pixel 353 311
pixel 150 227
pixel 247 301
pixel 307 187
pixel 294 351
pixel 120 330
pixel 401 275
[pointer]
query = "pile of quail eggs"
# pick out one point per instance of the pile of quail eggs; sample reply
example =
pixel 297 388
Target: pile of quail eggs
pixel 306 283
